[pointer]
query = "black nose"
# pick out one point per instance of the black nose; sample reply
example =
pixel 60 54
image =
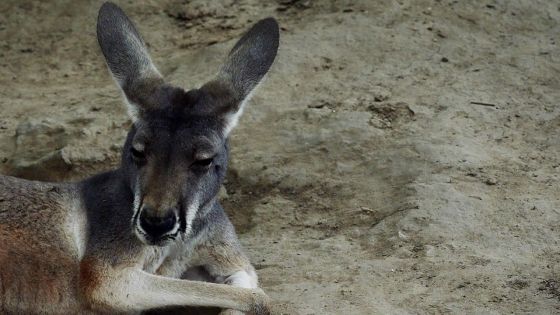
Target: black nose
pixel 156 226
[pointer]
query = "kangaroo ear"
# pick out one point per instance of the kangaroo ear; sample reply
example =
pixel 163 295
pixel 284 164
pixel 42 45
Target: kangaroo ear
pixel 243 70
pixel 127 59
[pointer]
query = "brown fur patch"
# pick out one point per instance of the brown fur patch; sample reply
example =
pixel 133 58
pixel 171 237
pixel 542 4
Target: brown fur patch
pixel 90 277
pixel 34 276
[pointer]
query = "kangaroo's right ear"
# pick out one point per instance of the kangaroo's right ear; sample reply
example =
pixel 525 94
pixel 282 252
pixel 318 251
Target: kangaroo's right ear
pixel 128 59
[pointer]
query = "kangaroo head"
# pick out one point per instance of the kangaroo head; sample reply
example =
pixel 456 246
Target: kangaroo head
pixel 175 155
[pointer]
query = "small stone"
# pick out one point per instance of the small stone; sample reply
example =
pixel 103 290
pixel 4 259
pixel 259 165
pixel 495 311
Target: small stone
pixel 116 147
pixel 380 94
pixel 223 194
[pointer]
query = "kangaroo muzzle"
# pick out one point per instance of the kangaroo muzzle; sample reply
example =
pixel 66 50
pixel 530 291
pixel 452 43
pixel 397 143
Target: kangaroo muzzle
pixel 158 225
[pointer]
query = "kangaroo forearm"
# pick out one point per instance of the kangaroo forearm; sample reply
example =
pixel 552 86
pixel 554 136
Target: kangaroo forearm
pixel 136 290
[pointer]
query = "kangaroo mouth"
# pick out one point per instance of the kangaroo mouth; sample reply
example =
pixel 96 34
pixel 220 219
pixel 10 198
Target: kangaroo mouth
pixel 159 241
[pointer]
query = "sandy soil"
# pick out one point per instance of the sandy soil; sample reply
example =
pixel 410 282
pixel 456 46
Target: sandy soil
pixel 363 178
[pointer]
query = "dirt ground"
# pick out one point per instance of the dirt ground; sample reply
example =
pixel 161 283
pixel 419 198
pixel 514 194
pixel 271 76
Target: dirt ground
pixel 402 156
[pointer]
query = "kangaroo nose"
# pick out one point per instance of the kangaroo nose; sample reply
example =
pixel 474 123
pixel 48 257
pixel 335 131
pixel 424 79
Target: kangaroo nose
pixel 156 226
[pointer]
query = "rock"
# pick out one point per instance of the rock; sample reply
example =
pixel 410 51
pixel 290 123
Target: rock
pixel 39 150
pixel 116 147
pixel 223 194
pixel 51 166
pixel 380 94
pixel 40 135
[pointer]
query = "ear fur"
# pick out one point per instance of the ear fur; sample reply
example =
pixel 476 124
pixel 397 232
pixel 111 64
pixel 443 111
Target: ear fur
pixel 244 68
pixel 127 58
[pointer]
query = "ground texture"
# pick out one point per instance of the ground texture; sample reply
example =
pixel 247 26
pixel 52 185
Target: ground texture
pixel 402 156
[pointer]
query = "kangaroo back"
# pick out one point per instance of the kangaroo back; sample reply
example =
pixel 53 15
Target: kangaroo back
pixel 42 232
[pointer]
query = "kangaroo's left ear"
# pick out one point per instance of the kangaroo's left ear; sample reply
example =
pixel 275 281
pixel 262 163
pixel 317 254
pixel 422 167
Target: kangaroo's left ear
pixel 243 70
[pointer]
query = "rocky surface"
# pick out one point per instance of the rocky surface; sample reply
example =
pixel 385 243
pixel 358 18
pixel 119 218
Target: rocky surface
pixel 402 156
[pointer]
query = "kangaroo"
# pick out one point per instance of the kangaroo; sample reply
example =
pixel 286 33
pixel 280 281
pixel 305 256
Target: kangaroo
pixel 122 241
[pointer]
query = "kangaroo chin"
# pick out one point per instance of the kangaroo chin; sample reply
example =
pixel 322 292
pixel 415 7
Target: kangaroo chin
pixel 128 240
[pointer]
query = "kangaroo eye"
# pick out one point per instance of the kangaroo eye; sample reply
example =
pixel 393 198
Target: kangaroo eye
pixel 203 163
pixel 137 155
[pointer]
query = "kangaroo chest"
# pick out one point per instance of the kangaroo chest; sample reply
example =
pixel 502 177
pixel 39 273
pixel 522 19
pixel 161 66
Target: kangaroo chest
pixel 172 260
